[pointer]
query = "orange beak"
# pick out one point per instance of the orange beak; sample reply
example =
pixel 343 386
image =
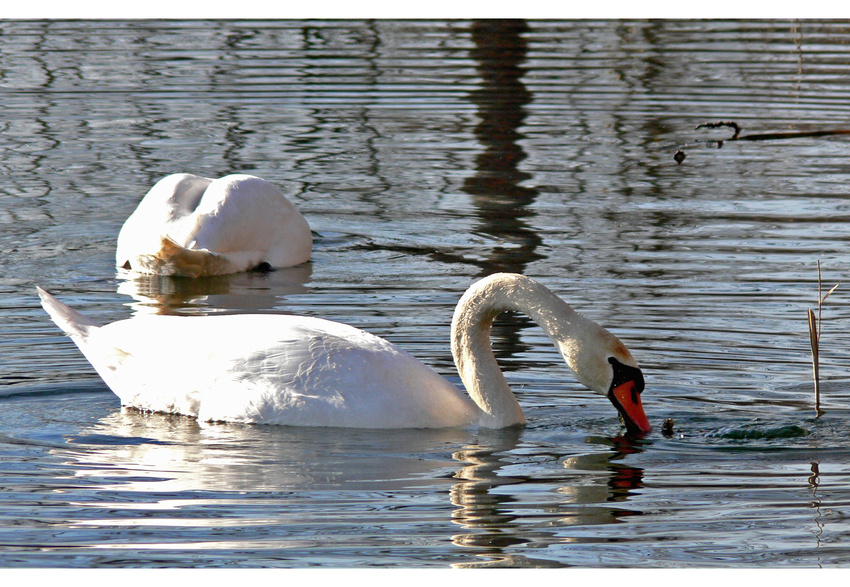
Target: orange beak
pixel 626 399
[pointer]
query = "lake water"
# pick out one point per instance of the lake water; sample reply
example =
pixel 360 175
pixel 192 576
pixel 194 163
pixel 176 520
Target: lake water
pixel 426 155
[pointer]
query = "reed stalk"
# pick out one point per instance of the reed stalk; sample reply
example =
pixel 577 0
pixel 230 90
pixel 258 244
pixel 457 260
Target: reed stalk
pixel 814 337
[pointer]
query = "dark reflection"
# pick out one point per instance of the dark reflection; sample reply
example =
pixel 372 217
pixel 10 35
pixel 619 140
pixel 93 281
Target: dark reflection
pixel 623 479
pixel 502 203
pixel 496 518
pixel 250 291
pixel 814 483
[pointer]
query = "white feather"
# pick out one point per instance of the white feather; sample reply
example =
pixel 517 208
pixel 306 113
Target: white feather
pixel 192 226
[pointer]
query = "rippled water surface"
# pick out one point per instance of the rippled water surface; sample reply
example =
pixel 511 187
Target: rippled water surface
pixel 426 155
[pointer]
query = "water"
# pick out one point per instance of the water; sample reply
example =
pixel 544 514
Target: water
pixel 425 155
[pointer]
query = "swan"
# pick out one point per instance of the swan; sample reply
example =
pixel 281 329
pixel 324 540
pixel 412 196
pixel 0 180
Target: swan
pixel 304 371
pixel 193 226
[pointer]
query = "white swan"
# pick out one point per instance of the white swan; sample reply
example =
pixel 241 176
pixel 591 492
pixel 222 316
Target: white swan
pixel 193 226
pixel 277 369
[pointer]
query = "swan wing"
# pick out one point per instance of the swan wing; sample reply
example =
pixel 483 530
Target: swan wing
pixel 271 369
pixel 250 221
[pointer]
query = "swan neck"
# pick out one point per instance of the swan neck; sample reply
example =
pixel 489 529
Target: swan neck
pixel 471 347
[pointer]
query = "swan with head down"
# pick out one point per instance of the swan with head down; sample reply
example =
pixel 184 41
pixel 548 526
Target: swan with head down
pixel 193 226
pixel 303 371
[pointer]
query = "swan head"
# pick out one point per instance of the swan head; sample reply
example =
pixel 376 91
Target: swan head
pixel 624 392
pixel 602 363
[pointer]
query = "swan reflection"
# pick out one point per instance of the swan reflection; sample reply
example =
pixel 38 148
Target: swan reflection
pixel 143 452
pixel 497 517
pixel 506 497
pixel 238 292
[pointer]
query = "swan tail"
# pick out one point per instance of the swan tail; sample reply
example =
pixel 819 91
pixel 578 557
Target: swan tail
pixel 74 324
pixel 174 259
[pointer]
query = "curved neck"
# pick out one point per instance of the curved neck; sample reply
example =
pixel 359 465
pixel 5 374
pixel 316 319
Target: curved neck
pixel 471 348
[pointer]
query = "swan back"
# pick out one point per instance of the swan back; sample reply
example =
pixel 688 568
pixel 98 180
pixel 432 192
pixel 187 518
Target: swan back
pixel 239 213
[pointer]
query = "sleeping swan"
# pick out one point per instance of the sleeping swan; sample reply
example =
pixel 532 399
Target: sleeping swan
pixel 301 371
pixel 193 226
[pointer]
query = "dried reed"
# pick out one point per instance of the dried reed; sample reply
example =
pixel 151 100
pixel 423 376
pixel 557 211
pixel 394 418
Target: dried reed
pixel 814 338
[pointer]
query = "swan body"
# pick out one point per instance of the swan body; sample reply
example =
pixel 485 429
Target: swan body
pixel 303 371
pixel 194 226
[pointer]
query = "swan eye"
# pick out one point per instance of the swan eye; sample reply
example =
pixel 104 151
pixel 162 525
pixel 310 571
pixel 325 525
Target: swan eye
pixel 624 373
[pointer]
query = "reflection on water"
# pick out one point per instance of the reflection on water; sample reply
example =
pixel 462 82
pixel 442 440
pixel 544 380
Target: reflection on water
pixel 169 483
pixel 161 453
pixel 426 154
pixel 582 495
pixel 502 202
pixel 252 291
pixel 479 506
